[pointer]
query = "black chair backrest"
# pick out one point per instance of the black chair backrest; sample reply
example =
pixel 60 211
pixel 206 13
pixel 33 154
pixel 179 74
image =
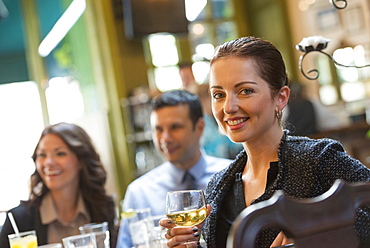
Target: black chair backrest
pixel 321 222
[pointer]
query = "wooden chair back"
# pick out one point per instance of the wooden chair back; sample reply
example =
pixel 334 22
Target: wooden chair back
pixel 321 222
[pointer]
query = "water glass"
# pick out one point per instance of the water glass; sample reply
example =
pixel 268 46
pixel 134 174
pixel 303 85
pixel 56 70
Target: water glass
pixel 55 245
pixel 140 223
pixel 101 233
pixel 80 241
pixel 23 240
pixel 157 237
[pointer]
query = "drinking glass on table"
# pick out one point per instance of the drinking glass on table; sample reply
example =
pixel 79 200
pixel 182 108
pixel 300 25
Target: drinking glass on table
pixel 141 225
pixel 26 239
pixel 54 245
pixel 101 233
pixel 80 241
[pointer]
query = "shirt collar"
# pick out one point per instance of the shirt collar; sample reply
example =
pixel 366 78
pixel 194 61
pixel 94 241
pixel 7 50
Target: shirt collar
pixel 48 212
pixel 196 171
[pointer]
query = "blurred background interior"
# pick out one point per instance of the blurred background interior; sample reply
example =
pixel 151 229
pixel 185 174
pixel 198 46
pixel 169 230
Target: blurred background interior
pixel 98 63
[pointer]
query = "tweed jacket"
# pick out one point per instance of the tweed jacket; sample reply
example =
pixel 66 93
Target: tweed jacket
pixel 306 168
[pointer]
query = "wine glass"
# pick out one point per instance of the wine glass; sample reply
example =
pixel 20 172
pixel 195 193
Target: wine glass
pixel 186 208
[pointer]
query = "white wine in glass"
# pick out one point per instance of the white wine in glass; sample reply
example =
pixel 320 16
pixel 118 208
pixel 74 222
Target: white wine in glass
pixel 186 208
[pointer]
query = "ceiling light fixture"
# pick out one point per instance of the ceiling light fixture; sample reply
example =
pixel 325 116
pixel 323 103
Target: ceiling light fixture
pixel 317 44
pixel 62 26
pixel 342 6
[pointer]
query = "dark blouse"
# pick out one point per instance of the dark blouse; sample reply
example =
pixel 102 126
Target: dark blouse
pixel 306 168
pixel 234 203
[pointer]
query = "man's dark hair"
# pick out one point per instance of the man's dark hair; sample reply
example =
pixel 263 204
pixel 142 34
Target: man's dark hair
pixel 176 98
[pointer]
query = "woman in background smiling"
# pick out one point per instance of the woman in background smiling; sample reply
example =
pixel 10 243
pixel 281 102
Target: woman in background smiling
pixel 67 188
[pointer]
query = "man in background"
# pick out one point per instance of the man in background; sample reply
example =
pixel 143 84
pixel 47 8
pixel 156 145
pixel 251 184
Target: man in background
pixel 301 116
pixel 307 116
pixel 177 126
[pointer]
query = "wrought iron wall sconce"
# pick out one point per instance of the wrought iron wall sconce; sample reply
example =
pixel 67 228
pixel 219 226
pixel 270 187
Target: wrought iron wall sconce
pixel 317 44
pixel 342 6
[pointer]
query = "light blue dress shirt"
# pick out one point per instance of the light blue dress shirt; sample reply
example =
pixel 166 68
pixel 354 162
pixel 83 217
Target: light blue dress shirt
pixel 149 190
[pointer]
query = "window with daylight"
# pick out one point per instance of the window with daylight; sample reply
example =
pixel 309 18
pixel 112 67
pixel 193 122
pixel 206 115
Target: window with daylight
pixel 211 22
pixel 19 131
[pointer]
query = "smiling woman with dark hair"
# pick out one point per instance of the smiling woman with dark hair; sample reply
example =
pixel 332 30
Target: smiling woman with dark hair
pixel 249 90
pixel 67 188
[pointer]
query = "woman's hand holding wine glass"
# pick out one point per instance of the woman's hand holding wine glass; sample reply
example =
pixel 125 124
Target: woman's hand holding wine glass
pixel 186 210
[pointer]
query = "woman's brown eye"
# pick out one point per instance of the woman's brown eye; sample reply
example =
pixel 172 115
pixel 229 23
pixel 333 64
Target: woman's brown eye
pixel 217 95
pixel 247 91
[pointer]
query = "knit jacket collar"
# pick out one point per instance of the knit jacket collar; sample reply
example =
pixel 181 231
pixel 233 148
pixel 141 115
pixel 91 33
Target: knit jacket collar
pixel 220 184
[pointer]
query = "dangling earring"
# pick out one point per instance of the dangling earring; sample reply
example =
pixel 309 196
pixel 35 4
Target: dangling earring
pixel 279 114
